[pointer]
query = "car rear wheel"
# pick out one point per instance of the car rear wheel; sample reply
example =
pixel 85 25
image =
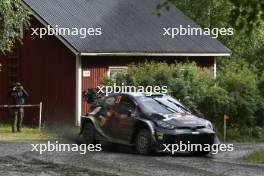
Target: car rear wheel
pixel 89 133
pixel 143 142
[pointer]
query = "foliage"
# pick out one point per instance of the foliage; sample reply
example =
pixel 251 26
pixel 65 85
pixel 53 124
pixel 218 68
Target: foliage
pixel 185 81
pixel 260 112
pixel 240 81
pixel 245 46
pixel 261 85
pixel 247 13
pixel 256 157
pixel 247 134
pixel 206 13
pixel 242 14
pixel 12 17
pixel 28 133
pixel 235 92
pixel 215 103
pixel 241 75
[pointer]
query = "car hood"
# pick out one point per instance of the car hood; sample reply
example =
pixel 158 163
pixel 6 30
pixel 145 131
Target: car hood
pixel 181 119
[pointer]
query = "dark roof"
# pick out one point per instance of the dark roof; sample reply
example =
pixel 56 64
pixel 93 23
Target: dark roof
pixel 127 25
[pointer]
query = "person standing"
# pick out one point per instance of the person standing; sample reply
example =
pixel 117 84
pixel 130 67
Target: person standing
pixel 18 95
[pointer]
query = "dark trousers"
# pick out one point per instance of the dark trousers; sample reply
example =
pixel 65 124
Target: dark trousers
pixel 17 119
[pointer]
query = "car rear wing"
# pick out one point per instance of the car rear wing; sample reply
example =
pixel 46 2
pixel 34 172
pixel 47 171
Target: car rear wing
pixel 91 96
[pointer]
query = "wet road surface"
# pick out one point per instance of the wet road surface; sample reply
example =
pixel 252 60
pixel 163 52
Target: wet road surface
pixel 17 159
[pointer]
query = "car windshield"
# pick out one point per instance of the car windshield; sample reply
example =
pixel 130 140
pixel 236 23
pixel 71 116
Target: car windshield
pixel 161 104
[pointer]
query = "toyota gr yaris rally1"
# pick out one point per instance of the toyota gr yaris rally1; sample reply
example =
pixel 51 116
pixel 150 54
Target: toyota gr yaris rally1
pixel 146 122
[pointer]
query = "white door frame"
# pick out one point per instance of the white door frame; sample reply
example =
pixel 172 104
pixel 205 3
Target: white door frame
pixel 78 89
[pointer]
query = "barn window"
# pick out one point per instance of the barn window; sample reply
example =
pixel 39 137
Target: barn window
pixel 114 71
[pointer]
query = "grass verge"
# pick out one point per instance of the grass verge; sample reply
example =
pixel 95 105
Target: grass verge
pixel 27 133
pixel 256 157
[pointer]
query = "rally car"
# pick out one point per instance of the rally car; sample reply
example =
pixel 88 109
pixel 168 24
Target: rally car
pixel 146 122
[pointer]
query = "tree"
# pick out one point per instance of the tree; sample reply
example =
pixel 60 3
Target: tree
pixel 247 14
pixel 207 13
pixel 13 16
pixel 243 14
pixel 245 46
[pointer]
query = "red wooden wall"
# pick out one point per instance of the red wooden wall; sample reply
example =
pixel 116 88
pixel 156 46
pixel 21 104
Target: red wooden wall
pixel 47 72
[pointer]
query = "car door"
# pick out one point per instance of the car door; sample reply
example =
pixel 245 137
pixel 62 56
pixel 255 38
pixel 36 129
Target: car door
pixel 105 118
pixel 125 110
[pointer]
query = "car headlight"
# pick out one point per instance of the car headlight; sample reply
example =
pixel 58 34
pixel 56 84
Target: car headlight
pixel 208 124
pixel 165 125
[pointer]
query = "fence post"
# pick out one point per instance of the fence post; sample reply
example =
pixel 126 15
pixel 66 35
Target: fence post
pixel 40 115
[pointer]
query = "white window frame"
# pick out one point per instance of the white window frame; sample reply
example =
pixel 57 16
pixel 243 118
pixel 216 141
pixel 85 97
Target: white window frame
pixel 115 67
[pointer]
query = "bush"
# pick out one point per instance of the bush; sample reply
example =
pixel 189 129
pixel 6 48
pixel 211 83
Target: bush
pixel 240 82
pixel 245 134
pixel 260 106
pixel 260 113
pixel 215 104
pixel 235 92
pixel 261 85
pixel 186 82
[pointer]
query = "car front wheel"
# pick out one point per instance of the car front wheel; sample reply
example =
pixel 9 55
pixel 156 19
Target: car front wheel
pixel 143 142
pixel 89 133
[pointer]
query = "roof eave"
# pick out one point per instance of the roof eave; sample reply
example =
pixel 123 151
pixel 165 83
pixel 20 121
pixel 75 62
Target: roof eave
pixel 157 54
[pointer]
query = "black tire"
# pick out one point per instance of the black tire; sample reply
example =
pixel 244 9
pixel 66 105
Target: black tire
pixel 143 142
pixel 89 133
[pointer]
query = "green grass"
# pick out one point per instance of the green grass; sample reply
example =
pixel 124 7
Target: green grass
pixel 256 157
pixel 27 133
pixel 255 134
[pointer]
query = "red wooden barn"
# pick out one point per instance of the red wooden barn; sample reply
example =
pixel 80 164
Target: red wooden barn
pixel 56 68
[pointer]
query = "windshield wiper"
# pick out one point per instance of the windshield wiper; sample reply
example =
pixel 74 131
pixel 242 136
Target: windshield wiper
pixel 167 107
pixel 180 106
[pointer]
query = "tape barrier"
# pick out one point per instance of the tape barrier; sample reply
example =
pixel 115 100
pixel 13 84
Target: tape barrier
pixel 22 106
pixel 18 106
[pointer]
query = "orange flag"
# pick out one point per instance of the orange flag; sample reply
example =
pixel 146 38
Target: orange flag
pixel 226 117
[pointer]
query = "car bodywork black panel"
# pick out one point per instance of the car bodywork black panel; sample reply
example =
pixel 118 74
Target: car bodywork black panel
pixel 119 122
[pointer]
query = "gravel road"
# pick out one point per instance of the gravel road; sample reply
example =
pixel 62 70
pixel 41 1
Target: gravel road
pixel 17 159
